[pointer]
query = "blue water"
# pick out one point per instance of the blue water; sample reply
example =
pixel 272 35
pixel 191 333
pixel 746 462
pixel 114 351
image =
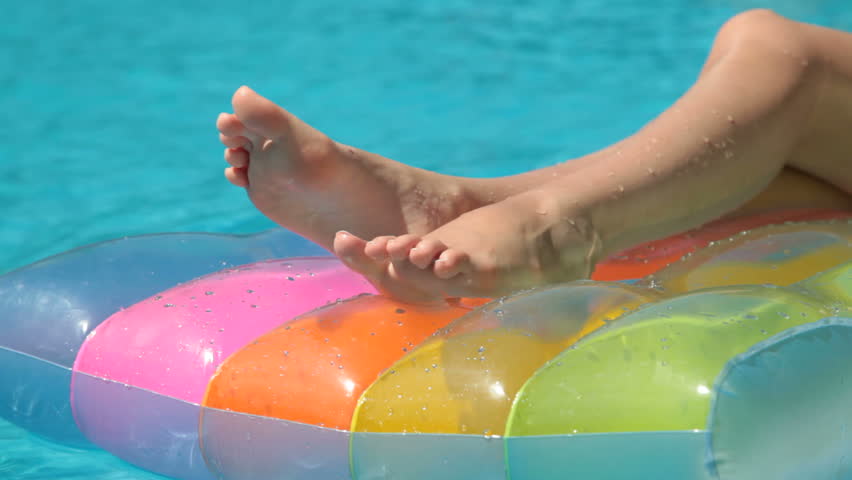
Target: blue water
pixel 109 107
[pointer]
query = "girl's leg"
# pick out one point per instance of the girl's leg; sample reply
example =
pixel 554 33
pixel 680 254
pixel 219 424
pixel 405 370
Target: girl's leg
pixel 773 94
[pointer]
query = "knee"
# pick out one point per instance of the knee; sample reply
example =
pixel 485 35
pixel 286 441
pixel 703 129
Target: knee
pixel 762 39
pixel 762 31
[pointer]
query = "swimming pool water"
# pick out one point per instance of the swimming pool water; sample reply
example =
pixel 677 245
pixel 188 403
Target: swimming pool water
pixel 110 107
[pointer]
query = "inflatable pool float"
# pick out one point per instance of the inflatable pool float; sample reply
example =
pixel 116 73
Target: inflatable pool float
pixel 211 356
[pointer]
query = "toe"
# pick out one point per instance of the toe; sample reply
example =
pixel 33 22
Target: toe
pixel 377 248
pixel 350 249
pixel 451 263
pixel 229 125
pixel 261 115
pixel 424 253
pixel 235 142
pixel 399 247
pixel 237 157
pixel 237 175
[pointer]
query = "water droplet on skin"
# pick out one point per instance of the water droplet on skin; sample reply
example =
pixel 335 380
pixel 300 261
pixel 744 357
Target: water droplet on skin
pixel 610 174
pixel 731 119
pixel 651 171
pixel 729 154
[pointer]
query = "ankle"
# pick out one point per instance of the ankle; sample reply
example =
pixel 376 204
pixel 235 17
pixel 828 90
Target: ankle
pixel 569 243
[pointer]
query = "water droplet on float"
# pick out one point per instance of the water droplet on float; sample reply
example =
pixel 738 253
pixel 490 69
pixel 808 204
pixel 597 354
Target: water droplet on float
pixel 209 292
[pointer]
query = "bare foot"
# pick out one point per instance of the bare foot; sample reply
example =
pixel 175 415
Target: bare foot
pixel 306 182
pixel 433 235
pixel 525 240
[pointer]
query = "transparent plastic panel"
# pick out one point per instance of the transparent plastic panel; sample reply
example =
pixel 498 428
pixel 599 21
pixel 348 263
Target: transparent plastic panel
pixel 653 370
pixel 173 342
pixel 650 257
pixel 48 308
pixel 313 369
pixel 34 395
pixel 152 431
pixel 463 379
pixel 778 255
pixel 783 408
pixel 610 456
pixel 384 456
pixel 834 285
pixel 238 446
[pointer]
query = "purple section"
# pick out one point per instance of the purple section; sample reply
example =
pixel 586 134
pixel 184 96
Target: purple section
pixel 151 431
pixel 247 447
